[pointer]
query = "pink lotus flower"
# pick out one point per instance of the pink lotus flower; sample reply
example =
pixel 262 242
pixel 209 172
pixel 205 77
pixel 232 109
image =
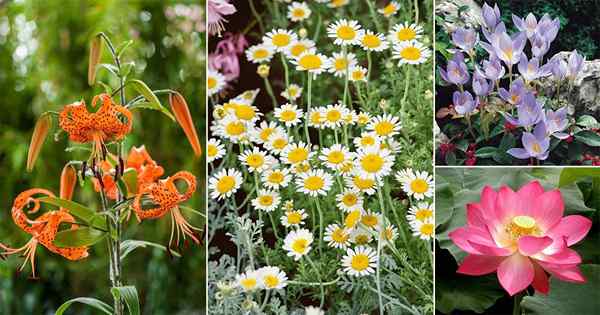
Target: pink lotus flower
pixel 521 235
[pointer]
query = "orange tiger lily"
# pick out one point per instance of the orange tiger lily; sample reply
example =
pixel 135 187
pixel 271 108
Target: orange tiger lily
pixel 98 127
pixel 43 229
pixel 165 195
pixel 147 169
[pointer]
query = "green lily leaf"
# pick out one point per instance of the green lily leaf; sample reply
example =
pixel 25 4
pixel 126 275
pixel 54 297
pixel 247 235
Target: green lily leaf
pixel 130 296
pixel 153 102
pixel 79 237
pixel 97 304
pixel 79 211
pixel 130 245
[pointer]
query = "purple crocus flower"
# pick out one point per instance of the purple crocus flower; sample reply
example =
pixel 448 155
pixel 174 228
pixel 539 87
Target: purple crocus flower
pixel 493 69
pixel 527 25
pixel 492 37
pixel 464 102
pixel 558 67
pixel 535 144
pixel 530 70
pixel 556 122
pixel 465 38
pixel 515 94
pixel 456 71
pixel 509 49
pixel 575 64
pixel 481 86
pixel 530 112
pixel 491 16
pixel 539 45
pixel 548 28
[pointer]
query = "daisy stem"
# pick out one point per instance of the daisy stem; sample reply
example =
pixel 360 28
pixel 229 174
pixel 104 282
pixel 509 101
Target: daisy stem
pixel 320 280
pixel 360 96
pixel 345 52
pixel 286 70
pixel 416 12
pixel 320 224
pixel 274 226
pixel 373 15
pixel 309 103
pixel 335 135
pixel 270 91
pixel 257 16
pixel 379 244
pixel 406 85
pixel 369 65
pixel 264 303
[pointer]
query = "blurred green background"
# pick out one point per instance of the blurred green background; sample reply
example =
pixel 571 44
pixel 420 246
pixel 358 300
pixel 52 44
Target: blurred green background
pixel 43 66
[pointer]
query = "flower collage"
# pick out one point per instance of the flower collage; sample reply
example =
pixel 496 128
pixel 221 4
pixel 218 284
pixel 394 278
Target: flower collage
pixel 300 157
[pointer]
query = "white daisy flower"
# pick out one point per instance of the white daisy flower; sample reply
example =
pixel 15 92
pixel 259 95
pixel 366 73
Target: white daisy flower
pixel 248 281
pixel 423 211
pixel 390 9
pixel 313 310
pixel 311 61
pixel 361 236
pixel 345 32
pixel 390 233
pixel 358 74
pixel 367 140
pixel 277 142
pixel 260 53
pixel 404 175
pixel 360 261
pixel 371 219
pixel 292 92
pixel 296 48
pixel 289 114
pixel 335 156
pixel 214 150
pixel 243 111
pixel 272 278
pixel 349 200
pixel 373 162
pixel 301 168
pixel 372 41
pixel 337 3
pixel 215 82
pixel 231 128
pixel 267 200
pixel 316 117
pixel 280 39
pixel 393 145
pixel 262 133
pixel 362 184
pixel 314 182
pixel 256 160
pixel 334 115
pixel 297 243
pixel 339 64
pixel 424 230
pixel 411 52
pixel 418 184
pixel 405 32
pixel 385 125
pixel 337 236
pixel 349 117
pixel 298 11
pixel 352 219
pixel 225 183
pixel 295 153
pixel 363 118
pixel 293 218
pixel 276 178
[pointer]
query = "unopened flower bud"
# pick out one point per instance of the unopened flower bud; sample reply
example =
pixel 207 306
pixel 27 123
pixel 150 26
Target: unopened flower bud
pixel 383 104
pixel 303 33
pixel 263 71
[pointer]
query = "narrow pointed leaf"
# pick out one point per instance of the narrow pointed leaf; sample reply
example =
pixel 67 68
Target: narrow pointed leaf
pixel 40 132
pixel 79 237
pixel 95 303
pixel 94 59
pixel 130 295
pixel 129 246
pixel 184 118
pixel 153 101
pixel 80 211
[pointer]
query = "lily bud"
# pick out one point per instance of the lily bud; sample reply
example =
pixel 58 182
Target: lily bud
pixel 94 59
pixel 184 118
pixel 40 131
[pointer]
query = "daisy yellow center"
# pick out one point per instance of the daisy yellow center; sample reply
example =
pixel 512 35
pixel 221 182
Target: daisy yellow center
pixel 271 281
pixel 389 233
pixel 299 246
pixel 352 219
pixel 310 62
pixel 235 128
pixel 212 82
pixel 384 128
pixel 341 64
pixel 338 3
pixel 361 239
pixel 367 141
pixel 339 236
pixel 279 143
pixel 363 119
pixel 248 283
pixel 297 155
pixel 244 112
pixel 426 229
pixel 255 160
pixel 288 115
pixel 211 150
pixel 265 133
pixel 363 183
pixel 225 184
pixel 281 40
pixel 276 177
pixel 314 183
pixel 411 53
pixel 536 148
pixel 335 157
pixel 389 9
pixel 334 115
pixel 419 186
pixel 297 49
pixel 350 200
pixel 423 214
pixel 294 217
pixel 316 118
pixel 346 32
pixel 298 12
pixel 372 163
pixel 358 75
pixel 346 167
pixel 371 41
pixel 265 200
pixel 360 262
pixel 369 220
pixel 261 54
pixel 522 225
pixel 406 33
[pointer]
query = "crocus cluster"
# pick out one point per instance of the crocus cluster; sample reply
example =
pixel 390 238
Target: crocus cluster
pixel 520 104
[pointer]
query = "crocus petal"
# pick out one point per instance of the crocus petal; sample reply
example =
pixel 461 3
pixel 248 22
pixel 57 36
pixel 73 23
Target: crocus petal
pixel 531 245
pixel 549 208
pixel 519 153
pixel 528 195
pixel 184 118
pixel 573 227
pixel 474 215
pixel 477 265
pixel 540 280
pixel 490 250
pixel 515 274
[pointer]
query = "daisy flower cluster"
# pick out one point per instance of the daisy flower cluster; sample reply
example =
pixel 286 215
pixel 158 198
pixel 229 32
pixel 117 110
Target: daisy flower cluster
pixel 319 173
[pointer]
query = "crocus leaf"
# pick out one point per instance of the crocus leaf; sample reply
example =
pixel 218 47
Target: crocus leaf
pixel 567 298
pixel 95 303
pixel 588 137
pixel 587 121
pixel 80 211
pixel 130 295
pixel 40 132
pixel 153 101
pixel 79 237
